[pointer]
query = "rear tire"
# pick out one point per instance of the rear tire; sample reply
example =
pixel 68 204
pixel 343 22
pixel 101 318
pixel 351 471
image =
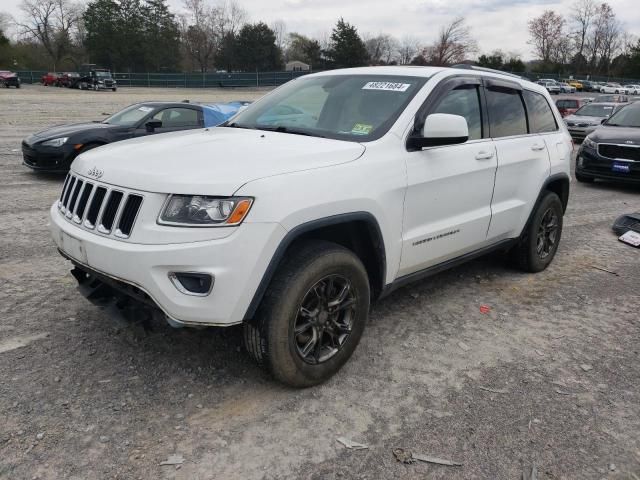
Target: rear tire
pixel 312 315
pixel 539 242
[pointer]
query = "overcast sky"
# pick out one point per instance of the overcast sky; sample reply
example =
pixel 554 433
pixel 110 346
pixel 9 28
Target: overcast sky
pixel 496 24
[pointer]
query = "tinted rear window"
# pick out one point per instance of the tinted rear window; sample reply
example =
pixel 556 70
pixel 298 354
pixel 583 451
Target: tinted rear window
pixel 541 117
pixel 507 115
pixel 566 103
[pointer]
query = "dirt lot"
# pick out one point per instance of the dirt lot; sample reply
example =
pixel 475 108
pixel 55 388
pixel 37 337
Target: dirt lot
pixel 549 377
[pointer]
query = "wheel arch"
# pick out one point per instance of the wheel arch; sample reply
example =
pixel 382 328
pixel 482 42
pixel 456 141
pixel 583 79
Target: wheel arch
pixel 558 184
pixel 358 231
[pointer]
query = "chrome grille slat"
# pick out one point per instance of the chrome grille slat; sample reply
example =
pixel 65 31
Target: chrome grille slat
pixel 113 210
pixel 81 206
pixel 67 193
pixel 108 217
pixel 128 215
pixel 74 198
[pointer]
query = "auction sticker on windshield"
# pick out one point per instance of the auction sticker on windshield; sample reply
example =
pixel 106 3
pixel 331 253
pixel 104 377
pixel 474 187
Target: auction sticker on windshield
pixel 391 86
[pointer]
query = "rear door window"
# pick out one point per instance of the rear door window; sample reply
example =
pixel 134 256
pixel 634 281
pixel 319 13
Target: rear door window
pixel 507 115
pixel 541 118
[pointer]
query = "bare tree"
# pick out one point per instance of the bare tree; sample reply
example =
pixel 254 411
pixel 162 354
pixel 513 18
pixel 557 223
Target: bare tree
pixel 408 48
pixel 454 44
pixel 605 39
pixel 547 36
pixel 382 49
pixel 205 26
pixel 280 29
pixel 584 12
pixel 199 35
pixel 52 24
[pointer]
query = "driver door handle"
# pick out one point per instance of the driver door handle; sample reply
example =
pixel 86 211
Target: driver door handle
pixel 484 155
pixel 536 147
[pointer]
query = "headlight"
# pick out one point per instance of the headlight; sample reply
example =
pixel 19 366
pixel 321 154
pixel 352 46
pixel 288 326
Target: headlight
pixel 587 142
pixel 56 142
pixel 204 211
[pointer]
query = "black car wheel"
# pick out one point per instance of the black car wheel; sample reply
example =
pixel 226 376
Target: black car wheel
pixel 539 241
pixel 312 316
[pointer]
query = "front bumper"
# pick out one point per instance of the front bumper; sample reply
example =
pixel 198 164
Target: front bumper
pixel 580 133
pixel 237 262
pixel 590 164
pixel 48 159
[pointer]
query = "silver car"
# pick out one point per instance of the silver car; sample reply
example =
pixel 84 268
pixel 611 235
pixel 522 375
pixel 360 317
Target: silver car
pixel 589 117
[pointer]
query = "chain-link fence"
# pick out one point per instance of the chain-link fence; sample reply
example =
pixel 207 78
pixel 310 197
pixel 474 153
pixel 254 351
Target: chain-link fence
pixel 187 80
pixel 265 79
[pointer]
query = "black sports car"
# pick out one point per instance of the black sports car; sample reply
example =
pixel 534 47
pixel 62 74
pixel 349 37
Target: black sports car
pixel 612 151
pixel 54 149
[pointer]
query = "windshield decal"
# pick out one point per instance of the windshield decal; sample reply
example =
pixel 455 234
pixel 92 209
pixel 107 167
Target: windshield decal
pixel 361 129
pixel 389 86
pixel 145 109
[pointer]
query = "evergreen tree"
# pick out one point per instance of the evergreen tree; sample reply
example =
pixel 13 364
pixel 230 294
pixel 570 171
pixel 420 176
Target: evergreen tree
pixel 257 49
pixel 347 48
pixel 162 37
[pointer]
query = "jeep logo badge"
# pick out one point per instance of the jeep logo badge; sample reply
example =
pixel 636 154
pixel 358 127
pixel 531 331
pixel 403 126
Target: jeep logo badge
pixel 95 173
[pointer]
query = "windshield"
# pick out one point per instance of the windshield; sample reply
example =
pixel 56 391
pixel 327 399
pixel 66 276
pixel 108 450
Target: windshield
pixel 625 117
pixel 130 116
pixel 592 110
pixel 103 74
pixel 344 107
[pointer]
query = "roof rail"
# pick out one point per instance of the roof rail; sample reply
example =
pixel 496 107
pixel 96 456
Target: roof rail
pixel 464 66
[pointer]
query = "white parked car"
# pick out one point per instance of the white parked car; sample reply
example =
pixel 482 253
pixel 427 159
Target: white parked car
pixel 632 89
pixel 384 176
pixel 552 87
pixel 613 88
pixel 566 88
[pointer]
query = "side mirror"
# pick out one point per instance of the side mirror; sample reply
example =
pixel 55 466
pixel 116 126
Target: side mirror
pixel 151 125
pixel 441 129
pixel 603 120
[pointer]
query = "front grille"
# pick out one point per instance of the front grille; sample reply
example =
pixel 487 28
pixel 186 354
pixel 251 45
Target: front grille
pixel 619 151
pixel 90 205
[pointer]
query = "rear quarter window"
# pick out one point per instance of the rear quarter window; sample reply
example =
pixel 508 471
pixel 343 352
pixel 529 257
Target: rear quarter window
pixel 541 118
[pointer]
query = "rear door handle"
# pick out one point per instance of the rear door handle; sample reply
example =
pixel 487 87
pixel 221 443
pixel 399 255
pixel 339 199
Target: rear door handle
pixel 536 147
pixel 484 155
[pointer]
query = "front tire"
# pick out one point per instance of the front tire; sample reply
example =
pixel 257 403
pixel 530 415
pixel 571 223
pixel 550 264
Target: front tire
pixel 312 316
pixel 539 242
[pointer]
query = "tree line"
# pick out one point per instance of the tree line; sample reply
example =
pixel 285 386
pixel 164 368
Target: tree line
pixel 591 40
pixel 145 35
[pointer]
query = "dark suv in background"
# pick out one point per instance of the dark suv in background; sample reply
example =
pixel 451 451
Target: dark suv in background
pixel 612 151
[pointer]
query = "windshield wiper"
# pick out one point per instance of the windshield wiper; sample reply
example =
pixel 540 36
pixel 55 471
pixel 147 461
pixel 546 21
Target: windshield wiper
pixel 237 125
pixel 293 131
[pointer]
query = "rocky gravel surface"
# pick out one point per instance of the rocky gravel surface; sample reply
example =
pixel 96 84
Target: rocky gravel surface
pixel 544 377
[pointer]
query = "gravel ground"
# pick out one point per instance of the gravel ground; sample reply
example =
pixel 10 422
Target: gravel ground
pixel 548 377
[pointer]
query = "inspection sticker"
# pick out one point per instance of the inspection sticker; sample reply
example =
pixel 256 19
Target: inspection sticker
pixel 361 129
pixel 145 109
pixel 394 87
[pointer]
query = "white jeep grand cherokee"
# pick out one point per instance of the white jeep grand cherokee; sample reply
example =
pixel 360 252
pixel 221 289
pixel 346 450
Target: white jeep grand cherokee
pixel 330 191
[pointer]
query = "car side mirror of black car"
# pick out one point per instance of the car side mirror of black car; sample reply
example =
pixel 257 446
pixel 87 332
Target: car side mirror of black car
pixel 603 121
pixel 151 125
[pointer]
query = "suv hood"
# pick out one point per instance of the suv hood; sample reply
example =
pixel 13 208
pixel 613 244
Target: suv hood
pixel 214 161
pixel 621 135
pixel 584 119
